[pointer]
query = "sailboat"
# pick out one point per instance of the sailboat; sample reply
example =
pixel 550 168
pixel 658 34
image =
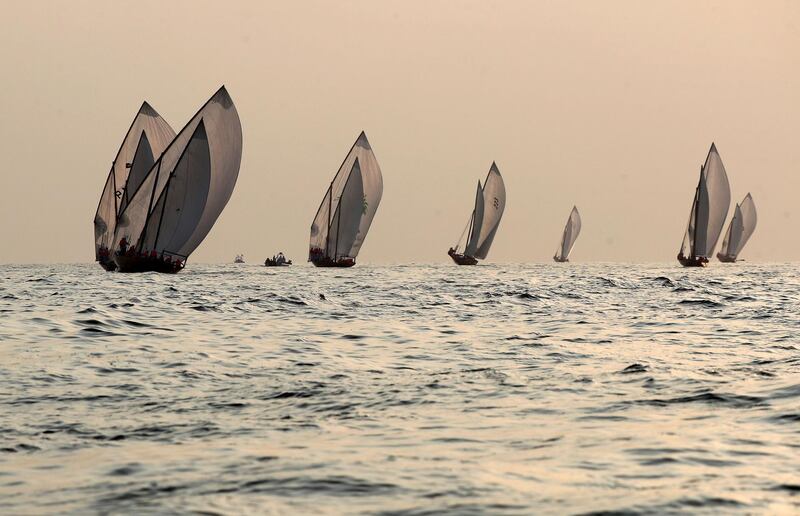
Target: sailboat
pixel 148 136
pixel 709 210
pixel 490 202
pixel 571 232
pixel 347 208
pixel 739 231
pixel 183 194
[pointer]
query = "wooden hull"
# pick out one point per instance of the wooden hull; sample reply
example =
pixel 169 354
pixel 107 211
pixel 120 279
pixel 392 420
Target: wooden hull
pixel 726 258
pixel 560 260
pixel 107 264
pixel 693 261
pixel 328 262
pixel 463 259
pixel 133 263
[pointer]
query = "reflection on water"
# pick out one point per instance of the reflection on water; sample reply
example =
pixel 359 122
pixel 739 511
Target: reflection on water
pixel 500 389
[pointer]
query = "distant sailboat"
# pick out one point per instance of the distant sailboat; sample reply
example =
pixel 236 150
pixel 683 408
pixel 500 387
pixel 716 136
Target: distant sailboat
pixel 571 232
pixel 239 258
pixel 709 209
pixel 347 209
pixel 148 136
pixel 490 202
pixel 739 231
pixel 183 194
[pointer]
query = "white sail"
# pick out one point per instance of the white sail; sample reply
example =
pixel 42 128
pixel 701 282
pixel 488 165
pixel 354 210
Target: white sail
pixel 477 223
pixel 571 231
pixel 717 189
pixel 105 217
pixel 143 161
pixel 702 211
pixel 710 208
pixel 494 204
pixel 372 191
pixel 741 228
pixel 148 135
pixel 688 237
pixel 346 221
pixel 177 212
pixel 224 136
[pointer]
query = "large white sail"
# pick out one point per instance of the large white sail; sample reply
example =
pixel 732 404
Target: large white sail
pixel 494 204
pixel 571 231
pixel 740 229
pixel 148 135
pixel 709 209
pixel 717 188
pixel 346 220
pixel 369 174
pixel 477 223
pixel 177 212
pixel 224 136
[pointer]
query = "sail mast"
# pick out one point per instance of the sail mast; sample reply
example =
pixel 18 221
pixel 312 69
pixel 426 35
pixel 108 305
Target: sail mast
pixel 696 212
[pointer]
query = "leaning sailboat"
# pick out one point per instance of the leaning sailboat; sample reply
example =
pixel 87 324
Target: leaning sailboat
pixel 568 238
pixel 183 194
pixel 490 202
pixel 739 231
pixel 146 139
pixel 347 209
pixel 709 209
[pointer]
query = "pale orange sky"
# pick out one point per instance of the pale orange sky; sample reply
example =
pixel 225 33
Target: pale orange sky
pixel 607 105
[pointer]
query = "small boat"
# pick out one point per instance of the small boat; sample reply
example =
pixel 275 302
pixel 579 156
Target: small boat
pixel 490 203
pixel 739 231
pixel 272 262
pixel 568 238
pixel 148 136
pixel 347 209
pixel 239 258
pixel 709 210
pixel 183 194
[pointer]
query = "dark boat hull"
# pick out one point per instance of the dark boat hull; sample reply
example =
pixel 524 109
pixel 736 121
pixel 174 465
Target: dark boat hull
pixel 328 262
pixel 463 259
pixel 132 263
pixel 726 258
pixel 560 260
pixel 269 263
pixel 693 261
pixel 107 264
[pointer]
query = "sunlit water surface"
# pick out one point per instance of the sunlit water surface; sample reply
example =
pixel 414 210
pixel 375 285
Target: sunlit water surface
pixel 401 389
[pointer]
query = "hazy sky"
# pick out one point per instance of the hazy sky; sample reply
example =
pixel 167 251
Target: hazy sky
pixel 609 105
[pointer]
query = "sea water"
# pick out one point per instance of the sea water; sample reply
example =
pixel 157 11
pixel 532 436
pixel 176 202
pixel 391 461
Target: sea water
pixel 404 389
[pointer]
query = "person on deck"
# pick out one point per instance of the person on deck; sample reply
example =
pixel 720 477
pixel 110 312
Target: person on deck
pixel 123 245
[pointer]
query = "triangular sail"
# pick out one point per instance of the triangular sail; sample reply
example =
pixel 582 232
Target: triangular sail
pixel 177 213
pixel 143 161
pixel 477 223
pixel 718 191
pixel 345 223
pixel 688 237
pixel 571 231
pixel 105 217
pixel 494 204
pixel 741 228
pixel 147 126
pixel 702 213
pixel 709 210
pixel 372 191
pixel 224 135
